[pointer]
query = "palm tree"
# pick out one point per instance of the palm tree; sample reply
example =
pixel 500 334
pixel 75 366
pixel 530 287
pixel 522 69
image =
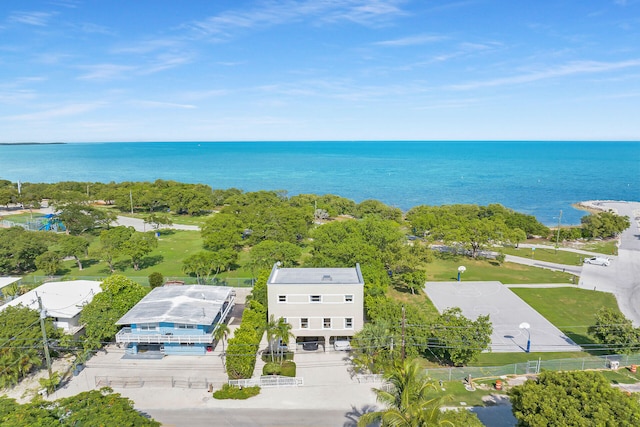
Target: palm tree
pixel 282 333
pixel 271 330
pixel 409 399
pixel 220 334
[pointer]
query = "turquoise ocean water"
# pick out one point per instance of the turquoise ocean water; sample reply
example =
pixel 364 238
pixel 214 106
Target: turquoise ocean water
pixel 539 178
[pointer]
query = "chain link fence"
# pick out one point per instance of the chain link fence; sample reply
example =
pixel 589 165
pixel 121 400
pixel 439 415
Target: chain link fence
pixel 235 282
pixel 534 367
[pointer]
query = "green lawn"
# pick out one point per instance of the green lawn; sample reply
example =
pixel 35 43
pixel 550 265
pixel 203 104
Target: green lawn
pixel 173 247
pixel 544 254
pixel 607 247
pixel 480 270
pixel 501 359
pixel 570 309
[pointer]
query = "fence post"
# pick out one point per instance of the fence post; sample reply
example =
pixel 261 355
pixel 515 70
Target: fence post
pixel 450 374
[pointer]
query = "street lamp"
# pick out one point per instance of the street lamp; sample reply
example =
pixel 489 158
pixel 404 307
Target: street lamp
pixel 525 325
pixel 461 270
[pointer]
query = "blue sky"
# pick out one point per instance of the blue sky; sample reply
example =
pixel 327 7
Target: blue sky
pixel 202 70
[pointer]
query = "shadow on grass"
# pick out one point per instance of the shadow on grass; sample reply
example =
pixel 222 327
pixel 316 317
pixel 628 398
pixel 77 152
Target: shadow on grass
pixel 150 261
pixel 587 343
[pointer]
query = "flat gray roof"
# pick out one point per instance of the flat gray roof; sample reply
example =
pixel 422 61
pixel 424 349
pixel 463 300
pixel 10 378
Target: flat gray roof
pixel 188 304
pixel 316 276
pixel 6 281
pixel 59 299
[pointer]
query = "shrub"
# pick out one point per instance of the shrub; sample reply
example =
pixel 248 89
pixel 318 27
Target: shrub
pixel 156 280
pixel 288 369
pixel 233 392
pixel 271 368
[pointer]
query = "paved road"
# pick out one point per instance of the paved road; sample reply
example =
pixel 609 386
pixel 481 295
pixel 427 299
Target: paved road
pixel 140 225
pixel 573 269
pixel 622 277
pixel 255 417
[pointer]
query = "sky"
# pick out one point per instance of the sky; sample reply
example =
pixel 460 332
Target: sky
pixel 239 70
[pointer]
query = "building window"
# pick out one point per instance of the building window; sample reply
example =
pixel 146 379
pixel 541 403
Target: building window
pixel 348 298
pixel 282 298
pixel 185 326
pixel 147 327
pixel 348 323
pixel 304 323
pixel 315 298
pixel 326 323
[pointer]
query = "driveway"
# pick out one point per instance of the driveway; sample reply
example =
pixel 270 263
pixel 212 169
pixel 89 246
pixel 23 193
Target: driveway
pixel 622 276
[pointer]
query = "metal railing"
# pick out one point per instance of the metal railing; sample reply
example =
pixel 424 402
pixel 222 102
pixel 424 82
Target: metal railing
pixel 124 335
pixel 268 381
pixel 162 381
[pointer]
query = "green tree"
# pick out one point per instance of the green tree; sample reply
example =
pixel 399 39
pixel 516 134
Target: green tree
pixel 222 231
pixel 410 399
pixel 79 218
pixel 604 224
pixel 73 246
pixel 614 330
pixel 119 295
pixel 569 399
pixel 21 347
pixel 220 335
pixel 89 408
pixel 156 280
pixel 49 262
pixel 157 220
pixel 458 339
pixel 268 252
pixel 138 246
pixel 19 250
pixel 112 242
pixel 206 263
pixel 378 209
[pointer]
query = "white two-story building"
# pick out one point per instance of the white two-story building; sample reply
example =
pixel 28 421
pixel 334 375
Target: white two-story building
pixel 321 304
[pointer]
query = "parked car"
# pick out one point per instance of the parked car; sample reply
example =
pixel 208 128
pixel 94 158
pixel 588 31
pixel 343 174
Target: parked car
pixel 596 260
pixel 310 345
pixel 342 345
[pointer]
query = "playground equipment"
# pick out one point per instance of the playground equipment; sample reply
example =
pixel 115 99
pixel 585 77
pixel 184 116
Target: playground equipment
pixel 52 223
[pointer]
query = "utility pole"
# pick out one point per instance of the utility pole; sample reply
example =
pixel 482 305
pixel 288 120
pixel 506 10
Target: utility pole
pixel 558 234
pixel 403 325
pixel 45 341
pixel 131 200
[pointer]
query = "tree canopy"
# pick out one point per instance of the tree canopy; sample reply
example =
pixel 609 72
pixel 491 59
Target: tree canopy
pixel 89 408
pixel 584 398
pixel 21 347
pixel 119 294
pixel 604 224
pixel 614 330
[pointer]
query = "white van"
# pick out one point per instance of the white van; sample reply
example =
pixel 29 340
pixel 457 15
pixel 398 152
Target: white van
pixel 597 260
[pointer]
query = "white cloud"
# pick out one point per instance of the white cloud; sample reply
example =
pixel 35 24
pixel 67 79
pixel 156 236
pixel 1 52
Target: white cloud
pixel 578 67
pixel 158 104
pixel 39 19
pixel 411 41
pixel 53 113
pixel 271 13
pixel 106 71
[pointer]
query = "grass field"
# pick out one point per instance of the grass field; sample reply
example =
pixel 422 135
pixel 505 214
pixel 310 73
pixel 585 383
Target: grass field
pixel 173 247
pixel 478 270
pixel 571 310
pixel 548 255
